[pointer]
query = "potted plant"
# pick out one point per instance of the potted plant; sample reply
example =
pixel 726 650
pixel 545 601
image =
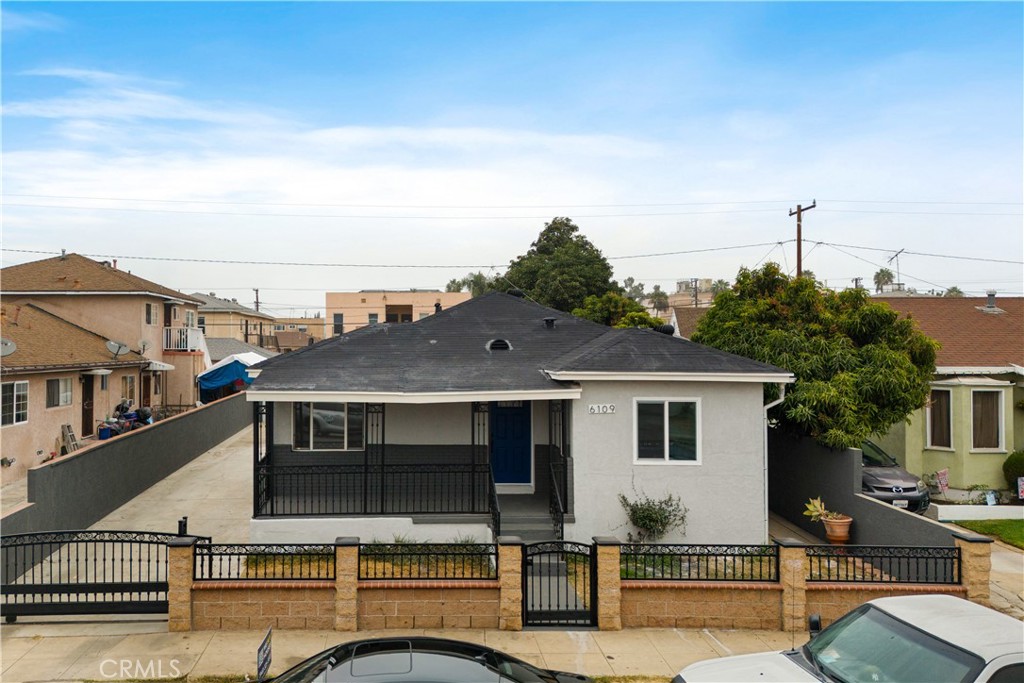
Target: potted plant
pixel 837 525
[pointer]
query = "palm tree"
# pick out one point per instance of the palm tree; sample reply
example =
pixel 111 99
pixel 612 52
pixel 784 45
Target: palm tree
pixel 953 292
pixel 720 286
pixel 882 278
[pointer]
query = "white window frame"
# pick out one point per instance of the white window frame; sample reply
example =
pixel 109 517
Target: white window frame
pixel 151 315
pixel 696 400
pixel 64 392
pixel 928 423
pixel 1001 412
pixel 126 382
pixel 104 382
pixel 312 436
pixel 14 409
pixel 190 318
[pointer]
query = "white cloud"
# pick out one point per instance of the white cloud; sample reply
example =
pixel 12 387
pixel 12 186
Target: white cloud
pixel 30 21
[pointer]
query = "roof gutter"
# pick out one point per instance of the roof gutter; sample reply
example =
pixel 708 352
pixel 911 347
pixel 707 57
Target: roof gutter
pixel 1008 369
pixel 756 377
pixel 169 299
pixel 764 456
pixel 292 396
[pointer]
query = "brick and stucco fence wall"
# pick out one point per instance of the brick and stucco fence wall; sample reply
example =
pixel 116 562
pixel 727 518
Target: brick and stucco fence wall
pixel 347 603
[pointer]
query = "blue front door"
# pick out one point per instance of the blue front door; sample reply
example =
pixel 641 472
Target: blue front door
pixel 510 442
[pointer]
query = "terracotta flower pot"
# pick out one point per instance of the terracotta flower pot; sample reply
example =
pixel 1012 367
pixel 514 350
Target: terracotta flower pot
pixel 837 531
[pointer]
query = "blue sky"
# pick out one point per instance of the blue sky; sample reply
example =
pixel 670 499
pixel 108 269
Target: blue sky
pixel 428 134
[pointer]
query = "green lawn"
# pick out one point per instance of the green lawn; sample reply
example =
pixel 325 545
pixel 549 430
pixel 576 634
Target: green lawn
pixel 1006 530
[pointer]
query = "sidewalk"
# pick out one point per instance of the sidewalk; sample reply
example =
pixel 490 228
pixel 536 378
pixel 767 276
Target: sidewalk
pixel 121 650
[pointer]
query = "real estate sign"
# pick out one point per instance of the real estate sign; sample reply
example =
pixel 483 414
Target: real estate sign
pixel 1020 487
pixel 942 476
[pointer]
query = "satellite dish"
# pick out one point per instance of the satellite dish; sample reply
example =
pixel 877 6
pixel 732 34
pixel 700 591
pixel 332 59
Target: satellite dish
pixel 117 348
pixel 7 347
pixel 143 345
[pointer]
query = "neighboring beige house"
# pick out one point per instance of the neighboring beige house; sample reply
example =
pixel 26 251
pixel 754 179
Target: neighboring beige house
pixel 315 327
pixel 228 319
pixel 55 373
pixel 349 311
pixel 157 322
pixel 976 413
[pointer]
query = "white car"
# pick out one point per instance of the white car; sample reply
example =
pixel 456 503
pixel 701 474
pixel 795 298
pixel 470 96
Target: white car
pixel 913 639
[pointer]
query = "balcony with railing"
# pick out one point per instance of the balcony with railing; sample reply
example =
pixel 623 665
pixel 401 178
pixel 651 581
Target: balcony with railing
pixel 183 339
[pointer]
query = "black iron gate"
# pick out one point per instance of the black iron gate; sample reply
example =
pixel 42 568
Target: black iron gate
pixel 559 584
pixel 84 572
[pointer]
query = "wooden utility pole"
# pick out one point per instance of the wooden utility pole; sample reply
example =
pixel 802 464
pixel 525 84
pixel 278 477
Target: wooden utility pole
pixel 257 298
pixel 799 213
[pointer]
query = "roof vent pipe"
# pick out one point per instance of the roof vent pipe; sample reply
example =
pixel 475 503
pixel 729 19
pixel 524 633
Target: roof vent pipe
pixel 991 303
pixel 437 307
pixel 665 329
pixel 549 323
pixel 517 293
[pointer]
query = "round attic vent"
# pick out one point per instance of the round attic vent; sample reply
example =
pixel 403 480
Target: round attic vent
pixel 499 345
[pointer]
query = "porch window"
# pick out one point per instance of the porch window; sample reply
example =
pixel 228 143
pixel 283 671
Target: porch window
pixel 190 318
pixel 58 392
pixel 158 383
pixel 986 420
pixel 128 388
pixel 327 426
pixel 667 431
pixel 940 432
pixel 13 403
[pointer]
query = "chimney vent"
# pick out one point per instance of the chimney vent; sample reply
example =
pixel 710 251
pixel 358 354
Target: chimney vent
pixel 665 329
pixel 63 255
pixel 991 303
pixel 518 293
pixel 549 323
pixel 437 307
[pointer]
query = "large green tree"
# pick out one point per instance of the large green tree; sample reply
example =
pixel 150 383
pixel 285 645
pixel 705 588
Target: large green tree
pixel 859 367
pixel 561 269
pixel 475 283
pixel 616 310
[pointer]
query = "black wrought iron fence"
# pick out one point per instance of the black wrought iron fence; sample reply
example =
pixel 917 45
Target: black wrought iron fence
pixel 700 562
pixel 240 562
pixel 428 561
pixel 883 564
pixel 390 489
pixel 84 572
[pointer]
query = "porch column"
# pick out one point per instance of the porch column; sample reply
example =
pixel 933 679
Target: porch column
pixel 793 567
pixel 609 583
pixel 975 565
pixel 510 581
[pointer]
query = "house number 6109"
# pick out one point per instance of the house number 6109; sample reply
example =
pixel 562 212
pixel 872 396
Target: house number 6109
pixel 601 408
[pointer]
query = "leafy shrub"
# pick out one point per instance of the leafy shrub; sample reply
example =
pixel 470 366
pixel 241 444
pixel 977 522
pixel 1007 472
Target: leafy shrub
pixel 1013 468
pixel 653 518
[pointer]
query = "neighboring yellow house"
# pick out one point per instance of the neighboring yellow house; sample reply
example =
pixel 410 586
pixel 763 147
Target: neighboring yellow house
pixel 347 311
pixel 975 416
pixel 228 319
pixel 315 327
pixel 154 321
pixel 54 373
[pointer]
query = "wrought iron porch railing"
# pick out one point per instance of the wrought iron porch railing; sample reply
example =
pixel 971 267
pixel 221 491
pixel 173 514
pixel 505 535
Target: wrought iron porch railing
pixel 700 562
pixel 883 564
pixel 495 508
pixel 238 562
pixel 556 505
pixel 428 561
pixel 390 489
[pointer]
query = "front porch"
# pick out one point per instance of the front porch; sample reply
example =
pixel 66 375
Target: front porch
pixel 427 482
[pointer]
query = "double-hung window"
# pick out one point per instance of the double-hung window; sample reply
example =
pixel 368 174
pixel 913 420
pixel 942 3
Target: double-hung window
pixel 58 392
pixel 327 426
pixel 940 419
pixel 128 388
pixel 13 403
pixel 667 430
pixel 986 420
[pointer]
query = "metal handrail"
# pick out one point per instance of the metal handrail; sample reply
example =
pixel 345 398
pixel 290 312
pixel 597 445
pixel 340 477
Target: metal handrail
pixel 495 507
pixel 555 505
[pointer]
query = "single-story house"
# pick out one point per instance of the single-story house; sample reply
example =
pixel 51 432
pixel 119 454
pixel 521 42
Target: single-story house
pixel 975 414
pixel 502 414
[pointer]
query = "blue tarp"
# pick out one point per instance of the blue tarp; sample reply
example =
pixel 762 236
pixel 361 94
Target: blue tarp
pixel 224 376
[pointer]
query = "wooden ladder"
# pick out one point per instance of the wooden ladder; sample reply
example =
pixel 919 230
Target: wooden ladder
pixel 67 434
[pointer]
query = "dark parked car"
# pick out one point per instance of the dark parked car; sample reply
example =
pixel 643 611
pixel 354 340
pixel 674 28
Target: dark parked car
pixel 885 480
pixel 420 659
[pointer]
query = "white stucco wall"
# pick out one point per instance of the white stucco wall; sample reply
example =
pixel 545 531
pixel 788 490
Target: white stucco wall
pixel 421 424
pixel 383 529
pixel 725 493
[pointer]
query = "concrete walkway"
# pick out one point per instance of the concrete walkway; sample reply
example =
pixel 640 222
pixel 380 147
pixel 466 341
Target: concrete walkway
pixel 120 650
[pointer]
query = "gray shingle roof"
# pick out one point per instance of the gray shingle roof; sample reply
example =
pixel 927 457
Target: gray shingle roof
pixel 214 304
pixel 448 352
pixel 222 347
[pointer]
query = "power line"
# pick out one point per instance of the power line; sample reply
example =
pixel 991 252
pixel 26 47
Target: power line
pixel 923 253
pixel 500 206
pixel 694 251
pixel 383 217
